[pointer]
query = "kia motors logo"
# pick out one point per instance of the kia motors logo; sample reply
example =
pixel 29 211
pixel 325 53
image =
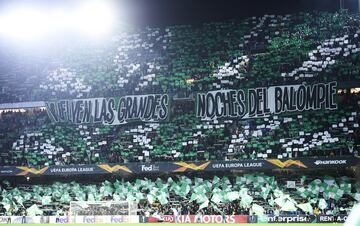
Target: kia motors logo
pixel 330 162
pixel 168 218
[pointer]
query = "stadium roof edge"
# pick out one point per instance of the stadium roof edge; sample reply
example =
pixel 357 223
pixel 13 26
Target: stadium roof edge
pixel 33 104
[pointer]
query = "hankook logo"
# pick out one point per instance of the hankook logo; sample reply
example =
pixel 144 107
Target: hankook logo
pixel 330 162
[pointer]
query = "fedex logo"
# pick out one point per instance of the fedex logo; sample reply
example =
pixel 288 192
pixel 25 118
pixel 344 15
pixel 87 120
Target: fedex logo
pixel 89 219
pixel 150 168
pixel 62 220
pixel 116 219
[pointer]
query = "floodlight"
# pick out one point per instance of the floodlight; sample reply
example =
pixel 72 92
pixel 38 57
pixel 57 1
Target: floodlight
pixel 90 17
pixel 96 17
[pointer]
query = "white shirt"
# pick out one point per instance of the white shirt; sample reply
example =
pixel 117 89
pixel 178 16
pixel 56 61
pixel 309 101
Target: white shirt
pixel 175 212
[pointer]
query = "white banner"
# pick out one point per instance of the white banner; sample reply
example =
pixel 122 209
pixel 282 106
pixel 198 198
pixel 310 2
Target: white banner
pixel 106 219
pixel 65 220
pixel 110 111
pixel 291 184
pixel 265 101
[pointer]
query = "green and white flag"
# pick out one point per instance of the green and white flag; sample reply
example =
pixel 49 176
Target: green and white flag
pixel 106 189
pixel 163 198
pixel 303 179
pixel 329 180
pixel 306 207
pixel 356 196
pixel 185 189
pixel 288 206
pixel 278 193
pixel 303 192
pixel 116 197
pixel 346 187
pixel 265 192
pixel 46 200
pixel 198 181
pixel 322 204
pixel 216 198
pixel 249 178
pixel 258 210
pixel 65 198
pixel 216 180
pixel 20 199
pixel 34 210
pixel 333 192
pixel 204 205
pixel 271 201
pixel 246 201
pixel 240 180
pixel 130 197
pixel 6 204
pixel 231 196
pixel 151 198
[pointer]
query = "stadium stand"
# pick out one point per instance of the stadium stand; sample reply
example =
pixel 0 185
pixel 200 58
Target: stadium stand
pixel 259 192
pixel 29 138
pixel 258 51
pixel 300 48
pixel 278 49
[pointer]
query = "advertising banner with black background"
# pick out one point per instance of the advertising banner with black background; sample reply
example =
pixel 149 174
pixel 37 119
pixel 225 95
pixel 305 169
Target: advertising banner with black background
pixel 179 167
pixel 331 218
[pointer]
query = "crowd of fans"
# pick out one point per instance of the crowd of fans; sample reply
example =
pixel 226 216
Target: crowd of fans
pixel 30 139
pixel 258 51
pixel 231 194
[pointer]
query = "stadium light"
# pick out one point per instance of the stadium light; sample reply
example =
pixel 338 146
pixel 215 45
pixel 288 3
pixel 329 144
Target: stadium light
pixel 96 17
pixel 91 17
pixel 23 22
